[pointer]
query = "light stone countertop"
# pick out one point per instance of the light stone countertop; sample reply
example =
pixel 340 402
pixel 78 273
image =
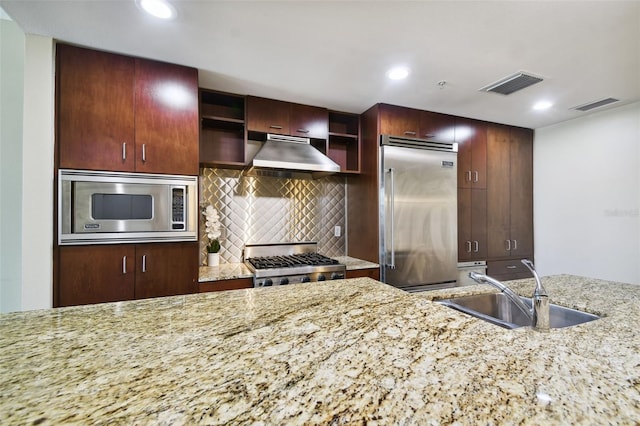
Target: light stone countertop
pixel 228 271
pixel 347 352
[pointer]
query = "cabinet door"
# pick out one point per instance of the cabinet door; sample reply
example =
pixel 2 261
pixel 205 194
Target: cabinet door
pixel 95 109
pixel 267 115
pixel 166 124
pixel 471 137
pixel 437 127
pixel 166 269
pixel 399 121
pixel 472 224
pixel 309 121
pixel 95 274
pixel 498 191
pixel 521 192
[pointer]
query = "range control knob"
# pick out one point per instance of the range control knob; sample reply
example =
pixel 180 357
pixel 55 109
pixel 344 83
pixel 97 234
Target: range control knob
pixel 305 279
pixel 284 281
pixel 268 282
pixel 337 276
pixel 321 277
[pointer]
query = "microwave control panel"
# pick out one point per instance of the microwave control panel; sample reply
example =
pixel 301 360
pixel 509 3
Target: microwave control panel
pixel 177 207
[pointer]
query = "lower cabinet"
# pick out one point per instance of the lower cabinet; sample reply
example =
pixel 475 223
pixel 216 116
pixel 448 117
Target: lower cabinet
pixel 110 273
pixel 220 285
pixel 504 270
pixel 360 273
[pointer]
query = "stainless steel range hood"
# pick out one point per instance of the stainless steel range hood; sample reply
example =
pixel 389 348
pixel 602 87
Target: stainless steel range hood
pixel 290 156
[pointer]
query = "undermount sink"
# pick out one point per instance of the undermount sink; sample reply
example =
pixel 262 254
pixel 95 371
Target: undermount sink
pixel 498 309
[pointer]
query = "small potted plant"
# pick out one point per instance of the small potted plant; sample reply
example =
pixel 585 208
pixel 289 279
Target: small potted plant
pixel 213 229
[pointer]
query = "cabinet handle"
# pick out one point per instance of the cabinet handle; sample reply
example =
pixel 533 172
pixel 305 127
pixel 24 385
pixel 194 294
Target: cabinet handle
pixel 508 245
pixel 469 176
pixel 468 246
pixel 124 151
pixel 475 176
pixel 144 263
pixel 144 152
pixel 476 246
pixel 124 265
pixel 515 244
pixel 410 133
pixel 302 131
pixel 275 127
pixel 511 267
pixel 429 135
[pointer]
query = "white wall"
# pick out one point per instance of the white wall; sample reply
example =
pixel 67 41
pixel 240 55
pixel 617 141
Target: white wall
pixel 26 178
pixel 587 196
pixel 12 43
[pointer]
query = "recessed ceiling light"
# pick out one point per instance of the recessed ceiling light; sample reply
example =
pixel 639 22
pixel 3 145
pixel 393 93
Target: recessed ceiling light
pixel 158 8
pixel 542 105
pixel 398 73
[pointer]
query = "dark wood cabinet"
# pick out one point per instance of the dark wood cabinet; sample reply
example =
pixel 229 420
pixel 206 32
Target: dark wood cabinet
pixel 361 273
pixel 309 121
pixel 399 121
pixel 125 114
pixel 95 109
pixel 109 273
pixel 472 224
pixel 505 270
pixel 509 191
pixel 343 144
pixel 285 118
pixel 471 136
pixel 95 274
pixel 166 118
pixel 222 129
pixel 166 269
pixel 415 123
pixel 221 285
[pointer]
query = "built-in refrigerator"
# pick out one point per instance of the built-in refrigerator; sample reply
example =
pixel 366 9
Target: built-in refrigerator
pixel 418 213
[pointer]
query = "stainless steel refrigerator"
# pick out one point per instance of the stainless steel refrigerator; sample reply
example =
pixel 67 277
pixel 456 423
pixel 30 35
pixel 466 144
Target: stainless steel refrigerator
pixel 418 213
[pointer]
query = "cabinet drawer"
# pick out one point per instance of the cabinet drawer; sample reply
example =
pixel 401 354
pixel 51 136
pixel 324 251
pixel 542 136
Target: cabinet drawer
pixel 359 273
pixel 232 284
pixel 507 269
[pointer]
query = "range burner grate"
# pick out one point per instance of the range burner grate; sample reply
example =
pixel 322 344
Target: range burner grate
pixel 290 261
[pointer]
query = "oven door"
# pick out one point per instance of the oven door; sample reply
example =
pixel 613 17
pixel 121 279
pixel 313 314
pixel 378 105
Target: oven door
pixel 109 207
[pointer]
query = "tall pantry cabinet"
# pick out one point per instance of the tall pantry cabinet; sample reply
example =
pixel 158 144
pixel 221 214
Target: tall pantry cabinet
pixel 119 113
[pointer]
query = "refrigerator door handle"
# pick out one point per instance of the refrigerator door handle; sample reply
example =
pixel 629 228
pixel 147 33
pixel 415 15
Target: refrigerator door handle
pixel 392 203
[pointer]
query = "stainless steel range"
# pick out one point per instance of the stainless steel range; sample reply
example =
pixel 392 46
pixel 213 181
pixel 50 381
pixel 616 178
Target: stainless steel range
pixel 290 263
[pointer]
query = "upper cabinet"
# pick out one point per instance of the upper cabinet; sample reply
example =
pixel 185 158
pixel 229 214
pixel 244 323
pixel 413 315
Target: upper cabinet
pixel 343 145
pixel 284 118
pixel 471 136
pixel 415 123
pixel 125 114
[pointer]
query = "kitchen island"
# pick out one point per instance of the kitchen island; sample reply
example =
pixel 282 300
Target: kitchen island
pixel 344 352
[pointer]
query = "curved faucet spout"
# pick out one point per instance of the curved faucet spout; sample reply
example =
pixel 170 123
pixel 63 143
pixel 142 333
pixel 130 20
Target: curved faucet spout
pixel 485 279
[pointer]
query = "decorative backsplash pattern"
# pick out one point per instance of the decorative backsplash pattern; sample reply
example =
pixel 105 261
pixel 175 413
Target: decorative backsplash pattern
pixel 265 209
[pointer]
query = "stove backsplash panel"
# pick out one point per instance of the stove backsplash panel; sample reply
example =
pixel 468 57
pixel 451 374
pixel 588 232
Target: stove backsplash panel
pixel 262 209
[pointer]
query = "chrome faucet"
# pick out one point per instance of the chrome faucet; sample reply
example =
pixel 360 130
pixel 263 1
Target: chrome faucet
pixel 539 312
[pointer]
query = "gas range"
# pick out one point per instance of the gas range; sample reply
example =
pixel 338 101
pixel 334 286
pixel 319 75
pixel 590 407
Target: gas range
pixel 290 263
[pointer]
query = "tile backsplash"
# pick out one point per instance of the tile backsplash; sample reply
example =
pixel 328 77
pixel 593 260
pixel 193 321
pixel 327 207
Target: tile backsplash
pixel 262 209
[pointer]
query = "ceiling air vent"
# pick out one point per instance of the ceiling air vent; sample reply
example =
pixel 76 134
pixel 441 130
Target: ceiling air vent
pixel 512 83
pixel 596 104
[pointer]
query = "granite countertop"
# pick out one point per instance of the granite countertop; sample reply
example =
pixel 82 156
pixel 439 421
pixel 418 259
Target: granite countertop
pixel 347 352
pixel 228 271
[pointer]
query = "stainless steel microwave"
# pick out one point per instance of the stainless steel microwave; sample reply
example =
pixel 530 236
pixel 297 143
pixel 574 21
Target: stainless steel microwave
pixel 97 207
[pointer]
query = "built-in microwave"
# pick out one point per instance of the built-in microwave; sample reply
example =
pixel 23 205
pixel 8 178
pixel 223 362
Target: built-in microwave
pixel 96 207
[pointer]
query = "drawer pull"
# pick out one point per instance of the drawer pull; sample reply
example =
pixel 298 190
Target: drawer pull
pixel 511 267
pixel 124 265
pixel 429 135
pixel 410 133
pixel 124 151
pixel 302 131
pixel 275 127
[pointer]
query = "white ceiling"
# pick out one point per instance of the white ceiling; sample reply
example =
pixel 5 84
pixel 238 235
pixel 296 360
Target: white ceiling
pixel 335 53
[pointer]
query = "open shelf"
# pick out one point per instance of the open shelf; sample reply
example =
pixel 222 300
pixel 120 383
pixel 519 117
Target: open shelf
pixel 343 144
pixel 222 129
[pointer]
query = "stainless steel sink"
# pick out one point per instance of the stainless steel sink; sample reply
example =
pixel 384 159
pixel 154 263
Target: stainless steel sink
pixel 498 309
